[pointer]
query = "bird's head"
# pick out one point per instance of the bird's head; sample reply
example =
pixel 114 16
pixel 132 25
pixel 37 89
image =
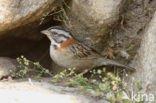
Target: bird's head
pixel 59 36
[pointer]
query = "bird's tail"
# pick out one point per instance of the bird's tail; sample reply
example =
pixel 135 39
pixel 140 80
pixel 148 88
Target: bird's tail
pixel 104 61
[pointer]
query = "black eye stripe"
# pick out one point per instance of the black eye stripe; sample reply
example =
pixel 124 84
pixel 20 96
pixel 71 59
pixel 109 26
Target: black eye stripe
pixel 56 34
pixel 63 36
pixel 55 38
pixel 59 37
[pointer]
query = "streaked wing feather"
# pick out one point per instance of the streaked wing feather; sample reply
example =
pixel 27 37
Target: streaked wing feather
pixel 81 51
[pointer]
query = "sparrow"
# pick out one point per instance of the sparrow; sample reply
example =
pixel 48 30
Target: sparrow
pixel 68 52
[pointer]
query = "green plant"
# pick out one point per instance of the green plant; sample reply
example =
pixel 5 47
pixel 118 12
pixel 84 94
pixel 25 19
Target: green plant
pixel 27 67
pixel 100 83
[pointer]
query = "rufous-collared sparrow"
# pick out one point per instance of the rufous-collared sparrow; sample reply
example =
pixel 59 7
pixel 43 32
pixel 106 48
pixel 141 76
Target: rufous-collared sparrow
pixel 68 52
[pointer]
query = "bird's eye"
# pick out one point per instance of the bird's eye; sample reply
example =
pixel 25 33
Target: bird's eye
pixel 54 33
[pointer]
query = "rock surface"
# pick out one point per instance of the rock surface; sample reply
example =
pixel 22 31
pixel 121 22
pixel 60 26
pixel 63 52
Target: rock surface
pixel 15 13
pixel 39 92
pixel 92 21
pixel 145 61
pixel 126 37
pixel 6 65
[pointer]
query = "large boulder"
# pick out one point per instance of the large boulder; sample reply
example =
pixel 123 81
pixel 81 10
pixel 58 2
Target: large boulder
pixel 145 62
pixel 92 20
pixel 15 13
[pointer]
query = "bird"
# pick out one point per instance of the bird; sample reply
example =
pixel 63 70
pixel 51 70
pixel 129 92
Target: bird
pixel 68 52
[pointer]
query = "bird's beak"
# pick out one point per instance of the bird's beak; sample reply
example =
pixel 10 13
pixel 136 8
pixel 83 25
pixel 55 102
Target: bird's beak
pixel 45 32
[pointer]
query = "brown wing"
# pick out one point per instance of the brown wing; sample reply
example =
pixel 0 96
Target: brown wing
pixel 82 51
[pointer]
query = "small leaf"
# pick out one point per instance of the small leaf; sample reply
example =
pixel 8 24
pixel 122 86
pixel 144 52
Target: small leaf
pixel 140 87
pixel 54 80
pixel 104 86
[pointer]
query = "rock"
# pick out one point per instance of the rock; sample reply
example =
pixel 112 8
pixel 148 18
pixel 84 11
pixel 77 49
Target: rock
pixel 145 61
pixel 38 92
pixel 17 13
pixel 7 64
pixel 92 21
pixel 127 35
